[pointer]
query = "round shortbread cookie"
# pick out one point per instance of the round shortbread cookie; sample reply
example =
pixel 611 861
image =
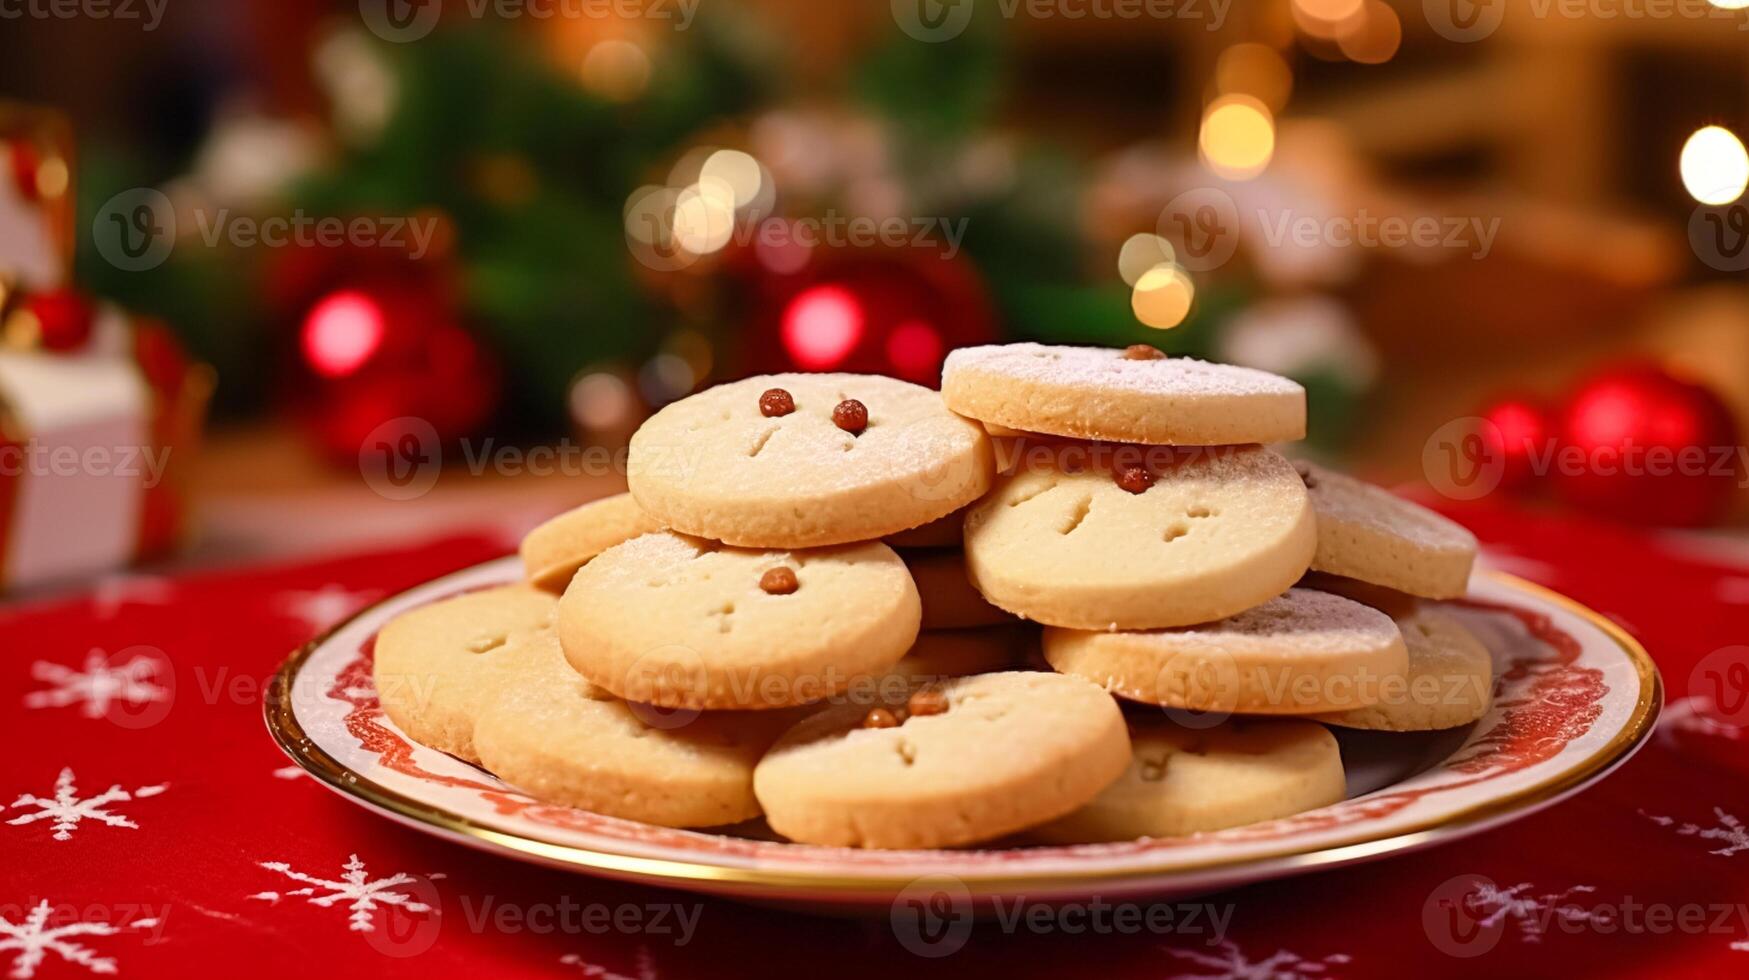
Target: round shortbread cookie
pixel 1300 653
pixel 1010 751
pixel 563 740
pixel 1220 530
pixel 1187 780
pixel 714 465
pixel 1450 680
pixel 682 622
pixel 949 600
pixel 1368 533
pixel 434 665
pixel 552 552
pixel 1099 393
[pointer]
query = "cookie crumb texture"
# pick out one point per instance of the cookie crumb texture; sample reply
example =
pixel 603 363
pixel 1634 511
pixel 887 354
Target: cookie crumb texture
pixel 552 552
pixel 1101 393
pixel 1368 533
pixel 1011 751
pixel 682 622
pixel 715 465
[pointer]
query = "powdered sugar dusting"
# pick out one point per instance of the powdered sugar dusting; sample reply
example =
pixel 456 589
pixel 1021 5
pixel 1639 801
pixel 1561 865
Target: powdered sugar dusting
pixel 1300 620
pixel 1338 497
pixel 1107 368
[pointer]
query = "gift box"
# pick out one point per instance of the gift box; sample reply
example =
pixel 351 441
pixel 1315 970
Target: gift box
pixel 100 409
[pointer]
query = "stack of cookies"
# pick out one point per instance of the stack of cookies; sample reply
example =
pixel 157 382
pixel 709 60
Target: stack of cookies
pixel 830 600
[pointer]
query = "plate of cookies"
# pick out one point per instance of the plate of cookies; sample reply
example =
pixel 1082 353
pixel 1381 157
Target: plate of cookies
pixel 1074 625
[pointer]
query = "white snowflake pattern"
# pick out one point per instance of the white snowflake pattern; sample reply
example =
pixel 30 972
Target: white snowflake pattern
pixel 67 809
pixel 1233 964
pixel 1730 830
pixel 1497 905
pixel 112 592
pixel 33 939
pixel 646 967
pixel 322 608
pixel 361 894
pixel 1694 715
pixel 98 686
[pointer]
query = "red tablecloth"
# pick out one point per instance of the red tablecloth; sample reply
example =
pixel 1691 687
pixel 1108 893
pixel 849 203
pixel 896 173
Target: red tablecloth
pixel 165 833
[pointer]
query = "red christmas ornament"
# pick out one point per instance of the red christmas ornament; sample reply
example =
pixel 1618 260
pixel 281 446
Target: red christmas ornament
pixel 880 312
pixel 1640 445
pixel 64 319
pixel 370 354
pixel 1517 433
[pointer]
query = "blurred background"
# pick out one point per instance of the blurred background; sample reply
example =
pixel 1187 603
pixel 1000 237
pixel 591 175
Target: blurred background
pixel 363 253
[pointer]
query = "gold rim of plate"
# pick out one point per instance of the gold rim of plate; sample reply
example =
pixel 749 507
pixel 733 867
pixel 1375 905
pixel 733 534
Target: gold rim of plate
pixel 283 724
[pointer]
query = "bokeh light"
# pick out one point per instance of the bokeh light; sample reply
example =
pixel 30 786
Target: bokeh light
pixel 341 333
pixel 1257 70
pixel 1714 165
pixel 736 171
pixel 1237 137
pixel 618 71
pixel 821 327
pixel 1373 37
pixel 1140 253
pixel 1163 297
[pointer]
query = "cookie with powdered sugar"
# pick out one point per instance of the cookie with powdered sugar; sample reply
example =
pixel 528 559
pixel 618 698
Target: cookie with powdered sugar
pixel 1138 395
pixel 1300 653
pixel 552 552
pixel 1368 533
pixel 806 460
pixel 1130 537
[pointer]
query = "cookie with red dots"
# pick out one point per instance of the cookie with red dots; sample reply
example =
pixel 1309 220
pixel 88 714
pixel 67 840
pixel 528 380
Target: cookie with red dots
pixel 685 622
pixel 806 460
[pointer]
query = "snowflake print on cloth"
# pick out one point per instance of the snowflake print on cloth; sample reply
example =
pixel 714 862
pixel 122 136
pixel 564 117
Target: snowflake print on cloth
pixel 355 888
pixel 323 607
pixel 1232 964
pixel 99 685
pixel 67 809
pixel 1730 830
pixel 646 967
pixel 1494 905
pixel 33 939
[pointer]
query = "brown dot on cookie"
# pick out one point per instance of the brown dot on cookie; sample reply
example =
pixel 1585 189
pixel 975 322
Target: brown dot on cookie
pixel 926 702
pixel 779 581
pixel 880 718
pixel 776 403
pixel 1142 352
pixel 1134 479
pixel 851 416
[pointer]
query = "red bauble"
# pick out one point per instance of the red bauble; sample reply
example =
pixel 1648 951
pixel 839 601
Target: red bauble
pixel 373 353
pixel 872 311
pixel 1517 434
pixel 1640 445
pixel 25 162
pixel 64 318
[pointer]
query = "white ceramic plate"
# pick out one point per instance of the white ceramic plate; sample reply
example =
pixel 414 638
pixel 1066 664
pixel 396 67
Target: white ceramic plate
pixel 1405 791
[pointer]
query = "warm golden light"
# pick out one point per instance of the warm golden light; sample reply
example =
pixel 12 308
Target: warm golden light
pixel 1327 19
pixel 1140 253
pixel 1729 4
pixel 1714 165
pixel 1373 37
pixel 1163 297
pixel 1237 137
pixel 617 71
pixel 737 171
pixel 1256 70
pixel 704 216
